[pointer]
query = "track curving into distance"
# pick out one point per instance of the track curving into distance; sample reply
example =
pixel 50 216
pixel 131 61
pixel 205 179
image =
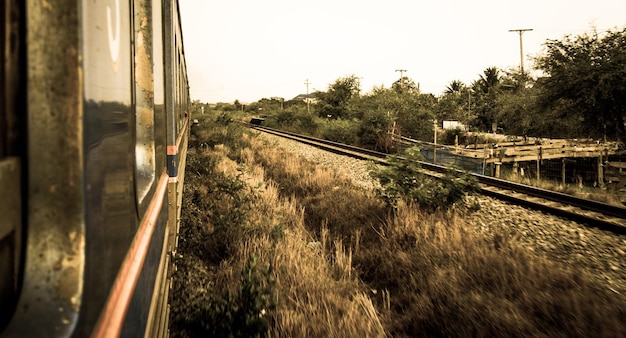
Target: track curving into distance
pixel 602 215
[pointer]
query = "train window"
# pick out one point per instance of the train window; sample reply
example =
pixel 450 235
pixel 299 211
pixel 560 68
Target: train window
pixel 159 80
pixel 176 94
pixel 145 154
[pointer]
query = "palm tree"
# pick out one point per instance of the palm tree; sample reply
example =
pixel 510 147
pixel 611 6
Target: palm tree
pixel 486 89
pixel 455 87
pixel 489 80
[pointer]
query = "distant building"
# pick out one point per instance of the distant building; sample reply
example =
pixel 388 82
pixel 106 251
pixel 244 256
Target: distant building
pixel 311 98
pixel 453 125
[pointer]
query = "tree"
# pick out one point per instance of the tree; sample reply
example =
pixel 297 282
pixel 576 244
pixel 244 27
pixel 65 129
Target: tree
pixel 516 109
pixel 376 114
pixel 411 111
pixel 455 87
pixel 416 114
pixel 489 81
pixel 516 112
pixel 456 104
pixel 486 89
pixel 405 85
pixel 585 83
pixel 334 102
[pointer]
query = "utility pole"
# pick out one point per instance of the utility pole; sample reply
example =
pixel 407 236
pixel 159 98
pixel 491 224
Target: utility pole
pixel 401 74
pixel 521 49
pixel 308 101
pixel 435 142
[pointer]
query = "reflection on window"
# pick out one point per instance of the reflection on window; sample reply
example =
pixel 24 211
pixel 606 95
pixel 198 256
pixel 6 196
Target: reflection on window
pixel 145 154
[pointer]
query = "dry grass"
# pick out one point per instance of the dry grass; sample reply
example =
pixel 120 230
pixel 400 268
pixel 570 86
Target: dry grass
pixel 429 275
pixel 345 266
pixel 446 280
pixel 317 294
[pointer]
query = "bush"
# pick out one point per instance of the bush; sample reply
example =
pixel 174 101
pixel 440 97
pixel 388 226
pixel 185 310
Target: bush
pixel 404 179
pixel 449 136
pixel 374 131
pixel 215 219
pixel 219 130
pixel 242 313
pixel 339 130
pixel 294 120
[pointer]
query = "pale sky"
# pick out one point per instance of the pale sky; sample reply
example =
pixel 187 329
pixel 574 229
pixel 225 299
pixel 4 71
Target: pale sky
pixel 254 49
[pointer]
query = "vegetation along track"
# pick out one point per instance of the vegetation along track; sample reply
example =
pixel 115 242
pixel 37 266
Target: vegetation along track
pixel 604 216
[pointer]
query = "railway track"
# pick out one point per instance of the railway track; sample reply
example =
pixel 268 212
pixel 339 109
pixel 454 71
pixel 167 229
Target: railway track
pixel 597 214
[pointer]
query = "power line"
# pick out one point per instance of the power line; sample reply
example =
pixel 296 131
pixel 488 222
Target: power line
pixel 521 49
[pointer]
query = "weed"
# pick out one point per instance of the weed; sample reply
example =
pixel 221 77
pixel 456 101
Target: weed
pixel 243 313
pixel 404 179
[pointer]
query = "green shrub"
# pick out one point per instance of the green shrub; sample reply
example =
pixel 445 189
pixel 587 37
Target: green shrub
pixel 339 130
pixel 216 208
pixel 449 136
pixel 405 179
pixel 240 313
pixel 213 224
pixel 218 130
pixel 307 123
pixel 294 120
pixel 373 131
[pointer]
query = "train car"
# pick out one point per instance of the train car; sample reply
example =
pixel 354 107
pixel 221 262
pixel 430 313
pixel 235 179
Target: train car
pixel 94 122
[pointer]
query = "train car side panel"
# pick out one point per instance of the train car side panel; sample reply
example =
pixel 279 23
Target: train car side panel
pixel 101 179
pixel 52 291
pixel 177 116
pixel 111 211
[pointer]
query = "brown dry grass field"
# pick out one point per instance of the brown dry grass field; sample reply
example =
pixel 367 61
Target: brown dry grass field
pixel 272 245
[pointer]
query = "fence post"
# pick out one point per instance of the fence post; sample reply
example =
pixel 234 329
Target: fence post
pixel 539 164
pixel 563 171
pixel 600 171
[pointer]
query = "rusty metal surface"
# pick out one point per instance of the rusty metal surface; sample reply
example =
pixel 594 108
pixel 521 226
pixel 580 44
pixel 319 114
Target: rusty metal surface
pixel 10 235
pixel 145 155
pixel 52 290
pixel 11 73
pixel 86 72
pixel 10 196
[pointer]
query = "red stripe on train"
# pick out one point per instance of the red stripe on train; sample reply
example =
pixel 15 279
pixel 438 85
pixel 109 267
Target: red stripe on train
pixel 112 318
